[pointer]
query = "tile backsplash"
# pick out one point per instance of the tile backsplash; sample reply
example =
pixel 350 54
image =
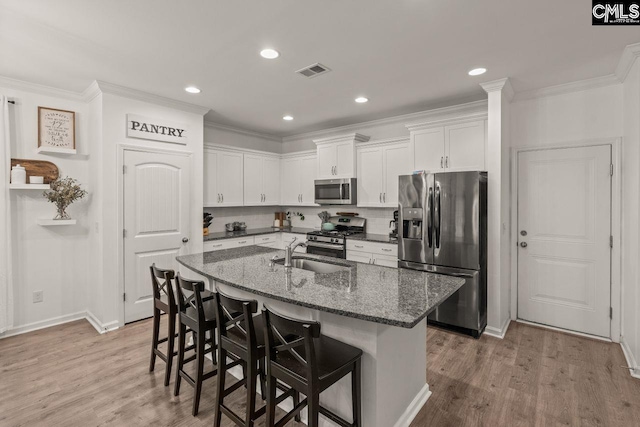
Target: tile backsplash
pixel 263 216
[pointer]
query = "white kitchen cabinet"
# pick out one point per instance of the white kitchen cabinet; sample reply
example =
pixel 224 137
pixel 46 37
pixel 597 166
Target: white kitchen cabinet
pixel 337 156
pixel 378 169
pixel 361 257
pixel 223 178
pixel 452 148
pixel 297 181
pixel 268 240
pixel 218 245
pixel 261 180
pixel 384 254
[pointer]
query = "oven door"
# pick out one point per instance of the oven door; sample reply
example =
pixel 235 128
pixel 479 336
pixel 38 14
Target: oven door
pixel 335 191
pixel 326 249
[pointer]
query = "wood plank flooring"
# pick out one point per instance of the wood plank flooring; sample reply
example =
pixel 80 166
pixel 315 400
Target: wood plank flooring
pixel 69 375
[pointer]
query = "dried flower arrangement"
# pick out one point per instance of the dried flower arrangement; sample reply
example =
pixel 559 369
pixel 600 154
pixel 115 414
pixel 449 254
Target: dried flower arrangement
pixel 64 191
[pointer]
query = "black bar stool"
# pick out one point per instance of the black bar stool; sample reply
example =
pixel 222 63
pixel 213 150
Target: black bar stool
pixel 197 313
pixel 241 339
pixel 299 356
pixel 163 302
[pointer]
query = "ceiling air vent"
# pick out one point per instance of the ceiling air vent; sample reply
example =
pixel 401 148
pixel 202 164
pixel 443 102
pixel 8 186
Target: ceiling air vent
pixel 313 70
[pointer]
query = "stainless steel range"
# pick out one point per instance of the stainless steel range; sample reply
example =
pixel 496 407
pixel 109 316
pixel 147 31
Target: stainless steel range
pixel 333 243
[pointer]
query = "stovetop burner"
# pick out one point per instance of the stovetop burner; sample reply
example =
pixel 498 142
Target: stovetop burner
pixel 335 233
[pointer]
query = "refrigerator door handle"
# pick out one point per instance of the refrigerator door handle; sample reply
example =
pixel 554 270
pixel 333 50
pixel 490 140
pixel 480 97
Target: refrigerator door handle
pixel 437 216
pixel 430 218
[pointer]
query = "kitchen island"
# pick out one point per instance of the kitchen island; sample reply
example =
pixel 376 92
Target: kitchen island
pixel 378 309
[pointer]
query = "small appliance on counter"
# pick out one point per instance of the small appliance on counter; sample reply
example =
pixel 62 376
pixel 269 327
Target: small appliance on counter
pixel 334 243
pixel 393 226
pixel 442 228
pixel 235 226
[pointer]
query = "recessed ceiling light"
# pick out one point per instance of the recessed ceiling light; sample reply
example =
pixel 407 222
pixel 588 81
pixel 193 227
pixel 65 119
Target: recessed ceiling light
pixel 269 53
pixel 477 71
pixel 287 118
pixel 192 89
pixel 362 100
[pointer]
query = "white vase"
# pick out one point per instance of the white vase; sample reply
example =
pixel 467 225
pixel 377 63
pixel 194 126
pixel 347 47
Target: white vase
pixel 18 175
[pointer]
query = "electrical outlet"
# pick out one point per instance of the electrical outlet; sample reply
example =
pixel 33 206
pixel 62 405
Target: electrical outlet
pixel 38 296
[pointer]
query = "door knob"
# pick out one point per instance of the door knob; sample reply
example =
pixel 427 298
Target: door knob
pixel 523 244
pixel 185 239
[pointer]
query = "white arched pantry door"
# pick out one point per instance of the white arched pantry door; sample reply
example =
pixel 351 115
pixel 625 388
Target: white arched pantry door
pixel 564 229
pixel 156 221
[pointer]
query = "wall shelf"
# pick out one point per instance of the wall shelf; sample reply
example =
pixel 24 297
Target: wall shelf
pixel 29 186
pixel 51 222
pixel 56 150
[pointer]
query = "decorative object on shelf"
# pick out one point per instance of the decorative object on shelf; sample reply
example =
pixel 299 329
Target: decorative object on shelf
pixel 56 130
pixel 18 175
pixel 347 214
pixel 36 179
pixel 43 168
pixel 206 222
pixel 290 214
pixel 64 191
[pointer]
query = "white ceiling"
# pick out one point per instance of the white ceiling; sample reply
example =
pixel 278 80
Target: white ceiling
pixel 405 55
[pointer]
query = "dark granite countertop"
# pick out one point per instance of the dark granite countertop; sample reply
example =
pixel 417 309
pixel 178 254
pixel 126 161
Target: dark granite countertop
pixel 392 296
pixel 254 232
pixel 380 238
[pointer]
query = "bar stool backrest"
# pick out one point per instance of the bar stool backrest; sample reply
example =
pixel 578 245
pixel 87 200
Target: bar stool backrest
pixel 235 313
pixel 162 282
pixel 288 338
pixel 189 295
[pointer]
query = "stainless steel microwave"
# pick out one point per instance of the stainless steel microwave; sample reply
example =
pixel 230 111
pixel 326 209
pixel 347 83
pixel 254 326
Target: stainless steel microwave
pixel 336 191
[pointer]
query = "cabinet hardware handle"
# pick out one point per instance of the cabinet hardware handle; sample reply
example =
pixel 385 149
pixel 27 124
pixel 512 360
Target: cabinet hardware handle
pixel 222 197
pixel 380 197
pixel 242 242
pixel 358 246
pixel 217 246
pixel 374 261
pixel 446 161
pixel 336 170
pixel 384 197
pixel 218 197
pixel 386 250
pixel 442 162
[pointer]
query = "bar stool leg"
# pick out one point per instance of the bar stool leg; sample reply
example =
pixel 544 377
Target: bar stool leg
pixel 296 401
pixel 154 338
pixel 356 394
pixel 182 330
pixel 200 341
pixel 271 401
pixel 263 379
pixel 222 372
pixel 170 343
pixel 313 409
pixel 251 392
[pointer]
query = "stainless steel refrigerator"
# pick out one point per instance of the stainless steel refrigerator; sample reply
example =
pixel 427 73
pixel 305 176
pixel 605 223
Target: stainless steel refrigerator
pixel 442 228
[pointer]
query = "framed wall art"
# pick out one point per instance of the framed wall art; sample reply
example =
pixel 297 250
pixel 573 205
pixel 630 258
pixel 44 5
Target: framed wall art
pixel 56 130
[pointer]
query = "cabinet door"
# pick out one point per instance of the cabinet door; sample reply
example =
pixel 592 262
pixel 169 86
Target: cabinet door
pixel 271 181
pixel 385 261
pixel 230 178
pixel 370 176
pixel 307 177
pixel 326 160
pixel 464 146
pixel 253 178
pixel 397 161
pixel 362 257
pixel 291 180
pixel 211 192
pixel 429 149
pixel 345 160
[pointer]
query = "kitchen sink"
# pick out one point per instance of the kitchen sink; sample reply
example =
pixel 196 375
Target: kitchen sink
pixel 313 265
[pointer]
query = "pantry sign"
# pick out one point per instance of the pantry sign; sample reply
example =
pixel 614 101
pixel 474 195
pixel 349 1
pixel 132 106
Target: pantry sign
pixel 156 130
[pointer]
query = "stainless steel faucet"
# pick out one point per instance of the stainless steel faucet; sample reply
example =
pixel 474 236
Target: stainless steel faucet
pixel 288 250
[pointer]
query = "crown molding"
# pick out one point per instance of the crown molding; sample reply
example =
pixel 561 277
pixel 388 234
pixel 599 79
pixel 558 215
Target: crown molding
pixel 355 137
pixel 386 141
pixel 234 149
pixel 214 125
pixel 297 154
pixel 16 84
pixel 401 119
pixel 578 86
pixel 503 85
pixel 448 121
pixel 629 55
pixel 139 95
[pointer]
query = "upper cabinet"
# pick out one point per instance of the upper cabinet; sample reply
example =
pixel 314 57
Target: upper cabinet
pixel 223 178
pixel 297 180
pixel 337 156
pixel 379 165
pixel 450 148
pixel 261 180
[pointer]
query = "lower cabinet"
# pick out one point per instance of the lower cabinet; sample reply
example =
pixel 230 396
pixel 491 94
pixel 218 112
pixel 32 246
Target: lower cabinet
pixel 269 241
pixel 275 240
pixel 218 245
pixel 384 254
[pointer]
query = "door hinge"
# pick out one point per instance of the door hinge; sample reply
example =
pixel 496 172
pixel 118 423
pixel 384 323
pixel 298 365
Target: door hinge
pixel 124 297
pixel 124 169
pixel 611 169
pixel 611 241
pixel 610 312
pixel 124 233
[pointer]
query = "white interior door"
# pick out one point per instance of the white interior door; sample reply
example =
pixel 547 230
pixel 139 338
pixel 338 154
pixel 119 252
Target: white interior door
pixel 564 226
pixel 156 220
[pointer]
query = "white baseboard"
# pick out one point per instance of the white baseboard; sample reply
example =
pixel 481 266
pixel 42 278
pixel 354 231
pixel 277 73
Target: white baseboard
pixel 498 333
pixel 99 326
pixel 30 327
pixel 631 361
pixel 414 407
pixel 564 331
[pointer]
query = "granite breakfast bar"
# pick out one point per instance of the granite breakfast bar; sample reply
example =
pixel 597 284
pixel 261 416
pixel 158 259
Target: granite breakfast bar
pixel 378 309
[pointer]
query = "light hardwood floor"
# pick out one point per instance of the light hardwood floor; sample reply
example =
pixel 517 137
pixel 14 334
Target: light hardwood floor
pixel 69 375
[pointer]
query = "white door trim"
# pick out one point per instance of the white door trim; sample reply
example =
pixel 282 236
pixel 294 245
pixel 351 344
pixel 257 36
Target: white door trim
pixel 122 148
pixel 616 220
